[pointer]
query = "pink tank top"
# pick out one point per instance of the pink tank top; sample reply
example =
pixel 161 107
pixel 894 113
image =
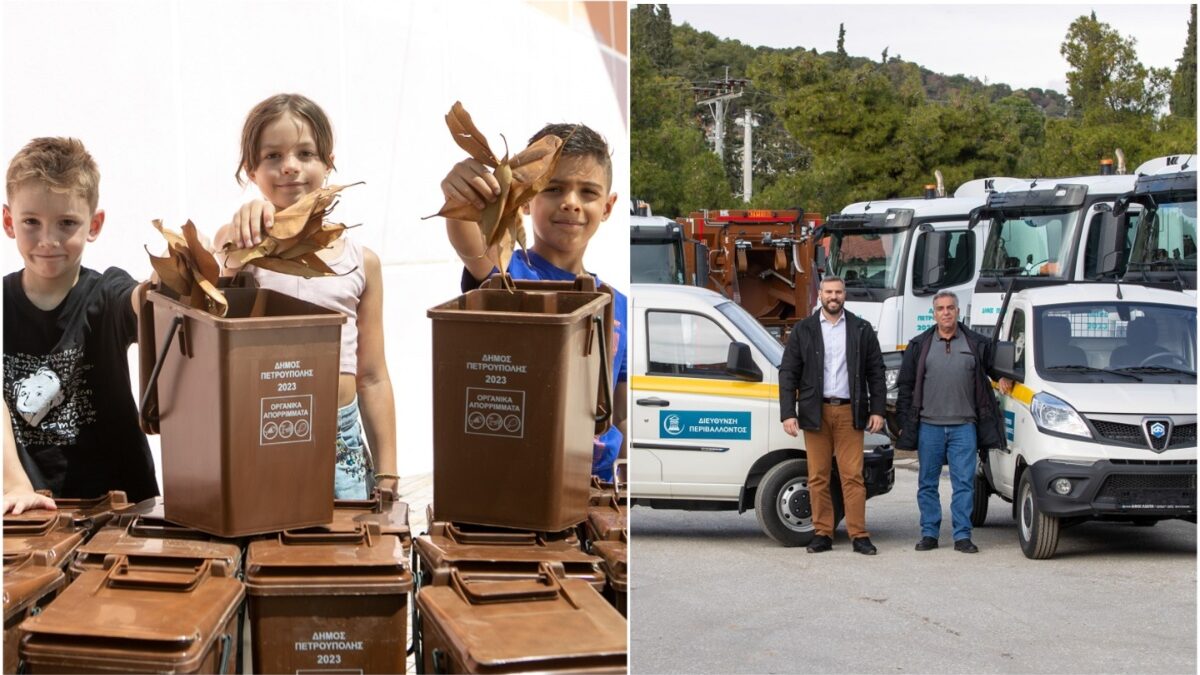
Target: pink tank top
pixel 340 293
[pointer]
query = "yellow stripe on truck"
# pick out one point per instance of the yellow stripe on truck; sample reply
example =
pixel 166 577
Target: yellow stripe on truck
pixel 1019 391
pixel 704 386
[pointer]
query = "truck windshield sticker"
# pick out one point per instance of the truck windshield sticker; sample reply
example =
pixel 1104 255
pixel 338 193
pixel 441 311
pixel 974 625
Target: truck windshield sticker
pixel 704 424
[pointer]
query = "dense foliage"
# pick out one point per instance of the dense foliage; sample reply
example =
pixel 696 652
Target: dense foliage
pixel 834 128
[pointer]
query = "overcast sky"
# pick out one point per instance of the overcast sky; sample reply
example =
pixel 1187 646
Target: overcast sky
pixel 1012 44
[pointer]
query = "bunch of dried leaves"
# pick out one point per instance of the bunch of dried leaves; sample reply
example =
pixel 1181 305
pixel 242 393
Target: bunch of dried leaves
pixel 520 177
pixel 190 269
pixel 291 248
pixel 299 232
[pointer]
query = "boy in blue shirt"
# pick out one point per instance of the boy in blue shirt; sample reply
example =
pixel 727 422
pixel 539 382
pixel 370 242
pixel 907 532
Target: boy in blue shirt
pixel 565 216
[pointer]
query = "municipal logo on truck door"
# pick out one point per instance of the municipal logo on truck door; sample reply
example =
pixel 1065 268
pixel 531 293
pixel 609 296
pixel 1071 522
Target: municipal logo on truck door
pixel 704 424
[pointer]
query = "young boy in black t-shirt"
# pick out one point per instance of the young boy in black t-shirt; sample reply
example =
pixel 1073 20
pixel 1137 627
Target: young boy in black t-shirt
pixel 67 331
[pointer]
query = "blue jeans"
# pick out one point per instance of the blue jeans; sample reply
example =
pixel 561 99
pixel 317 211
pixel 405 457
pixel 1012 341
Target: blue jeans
pixel 353 459
pixel 946 444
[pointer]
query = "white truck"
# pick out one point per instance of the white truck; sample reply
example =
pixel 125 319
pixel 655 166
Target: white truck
pixel 896 254
pixel 704 422
pixel 1164 240
pixel 1102 421
pixel 1055 229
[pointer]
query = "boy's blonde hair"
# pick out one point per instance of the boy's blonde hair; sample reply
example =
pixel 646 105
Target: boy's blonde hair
pixel 62 165
pixel 271 109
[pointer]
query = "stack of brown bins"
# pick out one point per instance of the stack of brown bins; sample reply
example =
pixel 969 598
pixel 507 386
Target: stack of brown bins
pixel 521 386
pixel 606 534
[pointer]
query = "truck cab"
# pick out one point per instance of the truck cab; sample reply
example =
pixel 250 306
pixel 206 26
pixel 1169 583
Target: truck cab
pixel 1101 423
pixel 1164 240
pixel 704 421
pixel 1050 229
pixel 656 251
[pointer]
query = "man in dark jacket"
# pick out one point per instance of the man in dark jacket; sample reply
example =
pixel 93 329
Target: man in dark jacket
pixel 831 385
pixel 947 411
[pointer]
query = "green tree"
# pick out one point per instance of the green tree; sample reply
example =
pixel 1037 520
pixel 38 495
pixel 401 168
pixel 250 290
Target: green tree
pixel 1106 79
pixel 650 30
pixel 1183 85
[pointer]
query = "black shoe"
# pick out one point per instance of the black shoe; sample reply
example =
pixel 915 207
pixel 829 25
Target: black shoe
pixel 820 544
pixel 965 546
pixel 864 546
pixel 927 544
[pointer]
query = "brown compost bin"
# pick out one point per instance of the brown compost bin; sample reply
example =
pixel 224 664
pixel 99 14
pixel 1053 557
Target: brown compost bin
pixel 500 556
pixel 247 408
pixel 382 507
pixel 28 586
pixel 323 601
pixel 615 555
pixel 547 625
pixel 607 520
pixel 132 618
pixel 516 384
pixel 52 537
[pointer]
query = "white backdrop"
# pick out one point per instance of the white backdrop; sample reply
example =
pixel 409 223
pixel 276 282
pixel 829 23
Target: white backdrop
pixel 158 91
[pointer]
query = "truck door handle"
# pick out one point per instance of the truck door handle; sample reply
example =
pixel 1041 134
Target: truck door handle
pixel 653 402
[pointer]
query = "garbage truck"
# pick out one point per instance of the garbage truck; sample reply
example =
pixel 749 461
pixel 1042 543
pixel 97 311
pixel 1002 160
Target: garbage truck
pixel 1164 239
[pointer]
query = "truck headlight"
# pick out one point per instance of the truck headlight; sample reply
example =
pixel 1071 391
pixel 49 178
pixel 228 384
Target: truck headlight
pixel 1051 413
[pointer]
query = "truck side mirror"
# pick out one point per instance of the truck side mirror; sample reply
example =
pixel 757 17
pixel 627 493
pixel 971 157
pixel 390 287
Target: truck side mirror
pixel 1110 251
pixel 821 259
pixel 701 265
pixel 932 264
pixel 1005 361
pixel 740 363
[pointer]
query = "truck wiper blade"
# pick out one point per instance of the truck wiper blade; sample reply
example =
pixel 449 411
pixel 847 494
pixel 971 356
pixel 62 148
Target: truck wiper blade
pixel 1156 369
pixel 1089 369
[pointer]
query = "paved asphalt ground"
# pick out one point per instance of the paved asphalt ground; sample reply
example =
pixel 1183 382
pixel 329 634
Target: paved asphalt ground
pixel 710 593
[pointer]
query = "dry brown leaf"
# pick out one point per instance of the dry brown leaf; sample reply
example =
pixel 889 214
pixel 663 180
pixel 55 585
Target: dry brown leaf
pixel 169 274
pixel 468 136
pixel 205 262
pixel 312 207
pixel 307 266
pixel 189 269
pixel 520 177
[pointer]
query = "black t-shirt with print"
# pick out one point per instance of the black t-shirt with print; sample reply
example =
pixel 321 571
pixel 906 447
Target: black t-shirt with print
pixel 66 384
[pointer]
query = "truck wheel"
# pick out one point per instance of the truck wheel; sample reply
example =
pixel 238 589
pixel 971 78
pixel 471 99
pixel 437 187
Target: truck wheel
pixel 1038 532
pixel 781 503
pixel 979 504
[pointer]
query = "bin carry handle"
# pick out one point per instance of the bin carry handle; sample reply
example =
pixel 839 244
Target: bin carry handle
pixel 38 527
pixel 440 667
pixel 604 414
pixel 515 538
pixel 372 504
pixel 226 646
pixel 149 414
pixel 363 533
pixel 121 576
pixel 545 587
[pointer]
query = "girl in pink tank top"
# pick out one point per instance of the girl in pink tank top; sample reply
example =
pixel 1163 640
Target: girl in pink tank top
pixel 287 151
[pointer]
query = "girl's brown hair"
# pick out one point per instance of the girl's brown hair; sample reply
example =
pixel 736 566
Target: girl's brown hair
pixel 272 109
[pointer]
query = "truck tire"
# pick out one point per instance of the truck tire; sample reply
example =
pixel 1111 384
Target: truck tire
pixel 979 502
pixel 782 507
pixel 1038 532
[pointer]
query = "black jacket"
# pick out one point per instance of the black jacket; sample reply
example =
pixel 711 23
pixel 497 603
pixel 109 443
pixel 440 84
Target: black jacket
pixel 989 428
pixel 802 373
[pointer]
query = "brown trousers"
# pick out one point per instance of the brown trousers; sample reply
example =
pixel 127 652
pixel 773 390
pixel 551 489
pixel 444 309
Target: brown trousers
pixel 836 438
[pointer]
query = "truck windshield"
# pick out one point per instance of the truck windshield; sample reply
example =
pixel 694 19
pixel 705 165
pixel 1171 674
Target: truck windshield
pixel 763 341
pixel 1116 342
pixel 654 263
pixel 868 258
pixel 1166 238
pixel 1034 245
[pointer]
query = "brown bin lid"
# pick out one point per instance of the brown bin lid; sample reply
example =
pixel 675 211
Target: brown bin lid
pixel 540 624
pixel 615 555
pixel 255 309
pixel 148 538
pixel 382 508
pixel 608 519
pixel 440 551
pixel 83 513
pixel 49 533
pixel 485 535
pixel 318 561
pixel 501 306
pixel 26 582
pixel 155 618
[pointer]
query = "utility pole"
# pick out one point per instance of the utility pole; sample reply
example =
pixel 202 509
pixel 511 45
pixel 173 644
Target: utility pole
pixel 715 96
pixel 747 125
